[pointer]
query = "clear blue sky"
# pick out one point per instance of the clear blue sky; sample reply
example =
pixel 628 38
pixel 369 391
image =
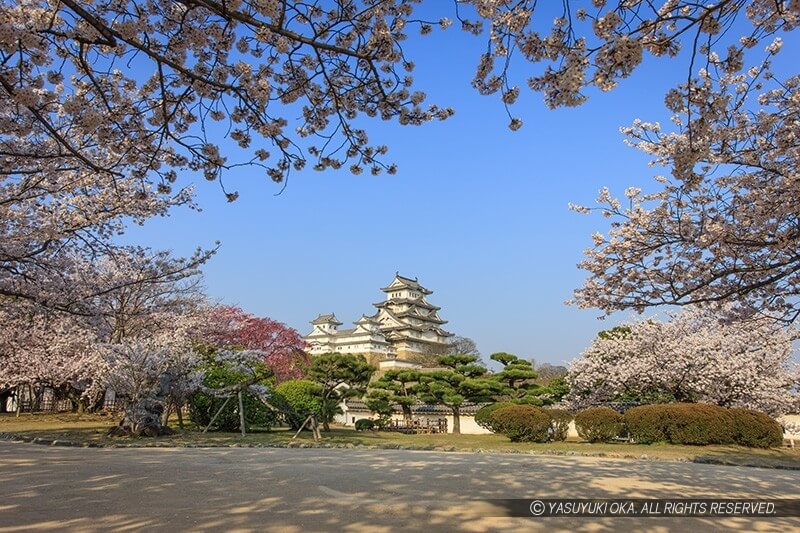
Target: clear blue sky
pixel 477 212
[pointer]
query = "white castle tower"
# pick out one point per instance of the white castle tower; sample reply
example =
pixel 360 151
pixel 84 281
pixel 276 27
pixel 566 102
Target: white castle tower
pixel 404 324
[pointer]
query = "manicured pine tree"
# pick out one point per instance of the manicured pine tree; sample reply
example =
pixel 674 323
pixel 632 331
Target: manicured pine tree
pixel 395 387
pixel 465 381
pixel 341 376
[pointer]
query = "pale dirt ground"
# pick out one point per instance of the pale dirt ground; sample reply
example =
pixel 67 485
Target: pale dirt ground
pixel 300 490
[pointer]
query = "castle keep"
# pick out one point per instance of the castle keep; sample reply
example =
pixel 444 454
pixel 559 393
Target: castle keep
pixel 404 325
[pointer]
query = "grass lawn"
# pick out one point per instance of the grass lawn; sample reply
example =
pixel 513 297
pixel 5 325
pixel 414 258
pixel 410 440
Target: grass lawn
pixel 93 428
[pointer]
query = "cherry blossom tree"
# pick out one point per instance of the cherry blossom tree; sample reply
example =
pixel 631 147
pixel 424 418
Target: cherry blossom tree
pixel 147 294
pixel 694 357
pixel 47 349
pixel 68 86
pixel 56 243
pixel 724 228
pixel 103 103
pixel 282 347
pixel 146 374
pixel 144 295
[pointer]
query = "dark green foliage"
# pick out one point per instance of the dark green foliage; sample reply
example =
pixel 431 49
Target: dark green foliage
pixel 647 423
pixel 298 398
pixel 599 424
pixel 330 408
pixel 523 423
pixel 365 424
pixel 202 407
pixel 756 429
pixel 466 365
pixel 617 332
pixel 700 424
pixel 559 425
pixel 553 391
pixel 464 382
pixel 332 370
pixel 395 387
pixel 341 376
pixel 517 379
pixel 484 415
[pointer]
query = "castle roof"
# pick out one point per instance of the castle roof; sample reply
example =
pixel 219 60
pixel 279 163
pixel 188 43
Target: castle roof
pixel 368 320
pixel 404 282
pixel 424 318
pixel 391 322
pixel 410 301
pixel 326 319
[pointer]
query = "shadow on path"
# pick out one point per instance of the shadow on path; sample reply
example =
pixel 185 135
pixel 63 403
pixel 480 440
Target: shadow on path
pixel 348 490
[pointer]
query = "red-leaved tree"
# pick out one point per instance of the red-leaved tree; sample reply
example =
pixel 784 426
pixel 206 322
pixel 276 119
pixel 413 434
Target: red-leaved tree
pixel 230 327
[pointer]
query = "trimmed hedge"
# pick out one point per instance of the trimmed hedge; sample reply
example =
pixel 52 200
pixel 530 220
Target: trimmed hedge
pixel 365 424
pixel 699 424
pixel 702 424
pixel 483 417
pixel 298 398
pixel 522 423
pixel 559 425
pixel 599 424
pixel 756 429
pixel 647 424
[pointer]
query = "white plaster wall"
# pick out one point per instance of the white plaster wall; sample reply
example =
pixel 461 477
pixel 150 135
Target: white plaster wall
pixel 468 425
pixel 795 419
pixel 393 363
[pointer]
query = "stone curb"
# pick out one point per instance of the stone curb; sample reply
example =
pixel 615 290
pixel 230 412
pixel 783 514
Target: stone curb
pixel 544 453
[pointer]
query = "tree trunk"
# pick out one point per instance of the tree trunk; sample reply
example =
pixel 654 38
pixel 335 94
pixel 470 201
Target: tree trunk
pixel 241 415
pixel 456 421
pixel 179 412
pixel 142 419
pixel 36 400
pixel 75 399
pixel 407 416
pixel 97 403
pixel 31 398
pixel 167 412
pixel 315 428
pixel 325 425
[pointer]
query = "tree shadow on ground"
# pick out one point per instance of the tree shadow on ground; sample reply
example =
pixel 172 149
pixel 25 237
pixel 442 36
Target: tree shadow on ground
pixel 349 490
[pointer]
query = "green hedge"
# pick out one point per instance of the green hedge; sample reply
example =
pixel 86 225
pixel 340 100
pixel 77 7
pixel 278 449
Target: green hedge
pixel 522 423
pixel 525 422
pixel 756 429
pixel 702 424
pixel 647 424
pixel 298 398
pixel 483 417
pixel 680 423
pixel 365 424
pixel 599 424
